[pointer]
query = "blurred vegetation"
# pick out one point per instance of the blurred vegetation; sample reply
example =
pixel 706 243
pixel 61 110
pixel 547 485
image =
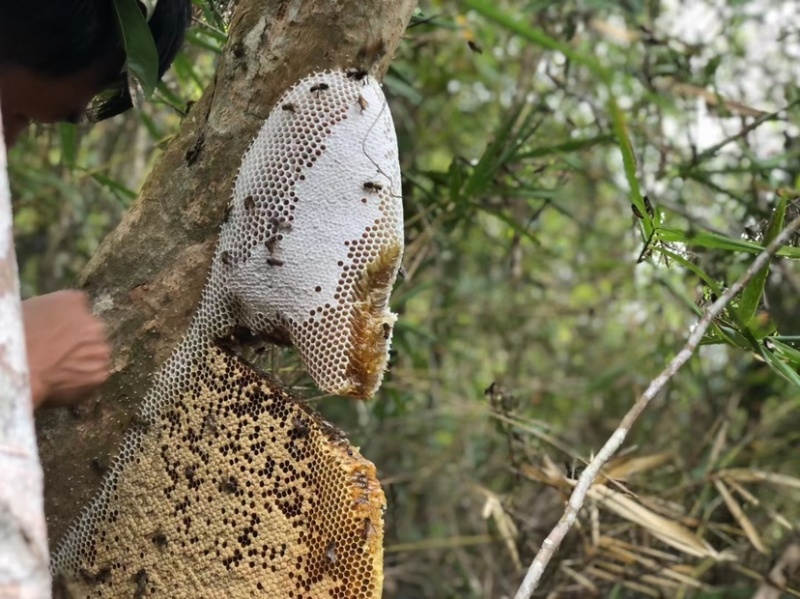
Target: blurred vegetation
pixel 581 179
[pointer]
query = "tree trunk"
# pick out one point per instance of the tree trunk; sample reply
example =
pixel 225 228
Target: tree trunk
pixel 147 276
pixel 23 535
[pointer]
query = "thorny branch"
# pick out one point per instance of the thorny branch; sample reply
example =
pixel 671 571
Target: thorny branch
pixel 575 503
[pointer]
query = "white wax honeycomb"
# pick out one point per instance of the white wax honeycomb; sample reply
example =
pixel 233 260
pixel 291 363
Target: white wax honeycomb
pixel 315 233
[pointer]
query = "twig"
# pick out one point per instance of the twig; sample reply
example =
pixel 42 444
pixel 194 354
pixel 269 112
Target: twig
pixel 553 540
pixel 713 150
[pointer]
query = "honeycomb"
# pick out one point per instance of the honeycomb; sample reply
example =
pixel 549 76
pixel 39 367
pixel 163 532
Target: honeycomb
pixel 227 486
pixel 235 490
pixel 315 232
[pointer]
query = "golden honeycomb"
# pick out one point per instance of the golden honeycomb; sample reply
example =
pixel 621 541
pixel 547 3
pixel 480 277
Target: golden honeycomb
pixel 235 489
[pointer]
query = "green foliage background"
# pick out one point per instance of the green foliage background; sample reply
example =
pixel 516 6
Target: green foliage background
pixel 537 302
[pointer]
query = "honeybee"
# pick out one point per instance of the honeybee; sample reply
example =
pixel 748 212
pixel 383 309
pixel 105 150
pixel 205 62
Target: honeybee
pixel 330 553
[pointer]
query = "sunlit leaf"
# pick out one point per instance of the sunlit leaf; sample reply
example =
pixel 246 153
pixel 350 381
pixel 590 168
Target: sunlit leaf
pixel 751 295
pixel 140 49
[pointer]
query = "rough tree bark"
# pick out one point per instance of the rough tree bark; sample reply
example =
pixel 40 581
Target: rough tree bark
pixel 23 535
pixel 147 276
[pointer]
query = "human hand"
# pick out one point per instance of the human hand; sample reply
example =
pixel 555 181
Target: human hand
pixel 68 354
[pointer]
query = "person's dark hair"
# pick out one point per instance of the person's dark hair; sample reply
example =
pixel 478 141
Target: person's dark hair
pixel 61 37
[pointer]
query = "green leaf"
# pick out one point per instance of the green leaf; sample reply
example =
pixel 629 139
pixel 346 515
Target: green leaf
pixel 781 367
pixel 787 352
pixel 119 190
pixel 455 179
pixel 732 337
pixel 496 154
pixel 751 295
pixel 152 127
pixel 572 145
pixel 719 242
pixel 517 227
pixel 710 283
pixel 399 84
pixel 69 143
pixel 140 49
pixel 203 39
pixel 211 14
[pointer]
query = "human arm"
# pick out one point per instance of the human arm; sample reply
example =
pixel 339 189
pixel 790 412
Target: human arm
pixel 68 354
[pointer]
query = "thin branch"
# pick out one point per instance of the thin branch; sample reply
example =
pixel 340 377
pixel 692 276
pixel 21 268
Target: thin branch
pixel 713 150
pixel 553 540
